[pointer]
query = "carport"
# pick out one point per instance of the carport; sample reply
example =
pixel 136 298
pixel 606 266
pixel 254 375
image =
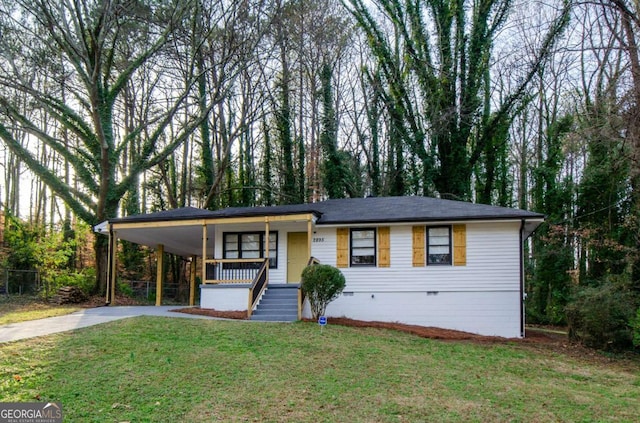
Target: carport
pixel 190 232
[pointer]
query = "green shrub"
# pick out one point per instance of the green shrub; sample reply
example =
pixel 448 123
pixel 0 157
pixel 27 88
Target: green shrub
pixel 600 317
pixel 321 284
pixel 125 289
pixel 85 280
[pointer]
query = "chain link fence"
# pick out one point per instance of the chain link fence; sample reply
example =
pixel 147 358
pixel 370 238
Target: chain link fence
pixel 146 290
pixel 20 282
pixel 28 282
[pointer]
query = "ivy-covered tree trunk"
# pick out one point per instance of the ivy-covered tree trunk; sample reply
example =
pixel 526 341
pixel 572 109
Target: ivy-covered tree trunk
pixel 206 169
pixel 395 159
pixel 267 162
pixel 601 193
pixel 302 187
pixel 283 123
pixel 333 172
pixel 289 193
pixel 373 116
pixel 551 283
pixel 446 53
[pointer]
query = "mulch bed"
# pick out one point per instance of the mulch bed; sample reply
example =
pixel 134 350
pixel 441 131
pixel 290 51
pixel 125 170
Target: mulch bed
pixel 421 331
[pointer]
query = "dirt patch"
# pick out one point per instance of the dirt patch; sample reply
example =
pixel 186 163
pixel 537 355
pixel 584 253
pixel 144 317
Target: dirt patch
pixel 120 300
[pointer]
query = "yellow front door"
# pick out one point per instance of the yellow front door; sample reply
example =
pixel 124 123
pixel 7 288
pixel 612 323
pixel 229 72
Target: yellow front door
pixel 297 255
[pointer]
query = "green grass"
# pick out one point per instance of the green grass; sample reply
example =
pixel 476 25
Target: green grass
pixel 151 369
pixel 15 309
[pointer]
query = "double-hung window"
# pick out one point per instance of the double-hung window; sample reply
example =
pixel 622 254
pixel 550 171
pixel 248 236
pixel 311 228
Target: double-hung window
pixel 250 245
pixel 439 245
pixel 363 247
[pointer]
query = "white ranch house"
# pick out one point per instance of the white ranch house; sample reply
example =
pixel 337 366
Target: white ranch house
pixel 414 260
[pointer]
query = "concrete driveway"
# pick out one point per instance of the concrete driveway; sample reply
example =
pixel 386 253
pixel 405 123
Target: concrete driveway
pixel 84 318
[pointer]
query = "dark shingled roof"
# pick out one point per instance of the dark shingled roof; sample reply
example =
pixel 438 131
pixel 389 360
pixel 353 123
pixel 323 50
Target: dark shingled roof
pixel 412 209
pixel 355 210
pixel 183 213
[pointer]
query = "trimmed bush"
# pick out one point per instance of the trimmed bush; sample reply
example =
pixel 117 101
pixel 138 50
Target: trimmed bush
pixel 600 317
pixel 321 284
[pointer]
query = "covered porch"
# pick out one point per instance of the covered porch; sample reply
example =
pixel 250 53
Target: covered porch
pixel 238 253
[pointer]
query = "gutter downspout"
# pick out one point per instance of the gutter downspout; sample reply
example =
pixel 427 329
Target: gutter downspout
pixel 522 293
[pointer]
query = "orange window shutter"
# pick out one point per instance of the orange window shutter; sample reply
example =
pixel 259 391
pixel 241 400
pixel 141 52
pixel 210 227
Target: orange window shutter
pixel 384 246
pixel 342 247
pixel 418 246
pixel 459 245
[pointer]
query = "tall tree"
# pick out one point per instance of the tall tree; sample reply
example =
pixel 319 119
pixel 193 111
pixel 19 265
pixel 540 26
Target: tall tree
pixel 283 118
pixel 102 46
pixel 629 39
pixel 334 173
pixel 225 40
pixel 449 70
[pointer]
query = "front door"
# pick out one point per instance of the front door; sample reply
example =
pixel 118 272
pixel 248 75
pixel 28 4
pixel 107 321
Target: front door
pixel 297 255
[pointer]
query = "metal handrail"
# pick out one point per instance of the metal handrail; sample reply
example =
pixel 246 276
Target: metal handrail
pixel 259 284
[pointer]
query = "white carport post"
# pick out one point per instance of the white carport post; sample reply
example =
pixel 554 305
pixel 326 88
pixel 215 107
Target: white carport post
pixel 111 266
pixel 309 235
pixel 114 265
pixel 266 241
pixel 192 280
pixel 159 273
pixel 204 252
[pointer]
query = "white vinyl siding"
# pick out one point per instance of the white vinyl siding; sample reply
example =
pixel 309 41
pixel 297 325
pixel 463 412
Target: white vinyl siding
pixel 483 296
pixel 485 313
pixel 493 257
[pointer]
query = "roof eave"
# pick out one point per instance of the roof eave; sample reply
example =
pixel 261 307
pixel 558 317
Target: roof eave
pixel 539 218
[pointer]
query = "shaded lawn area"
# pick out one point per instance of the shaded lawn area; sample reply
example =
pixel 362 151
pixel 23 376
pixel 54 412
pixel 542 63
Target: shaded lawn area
pixel 15 309
pixel 169 369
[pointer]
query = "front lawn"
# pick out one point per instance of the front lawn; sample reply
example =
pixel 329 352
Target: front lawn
pixel 152 369
pixel 18 308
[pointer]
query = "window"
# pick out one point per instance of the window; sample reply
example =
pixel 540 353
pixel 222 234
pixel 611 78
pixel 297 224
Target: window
pixel 439 245
pixel 363 247
pixel 250 245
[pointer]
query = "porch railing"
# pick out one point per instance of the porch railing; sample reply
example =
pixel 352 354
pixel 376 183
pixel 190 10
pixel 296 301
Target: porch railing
pixel 301 296
pixel 232 270
pixel 258 286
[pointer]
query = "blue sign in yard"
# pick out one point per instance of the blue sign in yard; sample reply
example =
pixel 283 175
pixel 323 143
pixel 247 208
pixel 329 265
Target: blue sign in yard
pixel 322 320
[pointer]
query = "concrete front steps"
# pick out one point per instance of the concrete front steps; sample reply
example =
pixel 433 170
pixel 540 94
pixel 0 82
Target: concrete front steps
pixel 279 303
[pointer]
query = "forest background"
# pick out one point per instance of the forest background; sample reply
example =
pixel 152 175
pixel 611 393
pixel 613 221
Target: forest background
pixel 117 107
